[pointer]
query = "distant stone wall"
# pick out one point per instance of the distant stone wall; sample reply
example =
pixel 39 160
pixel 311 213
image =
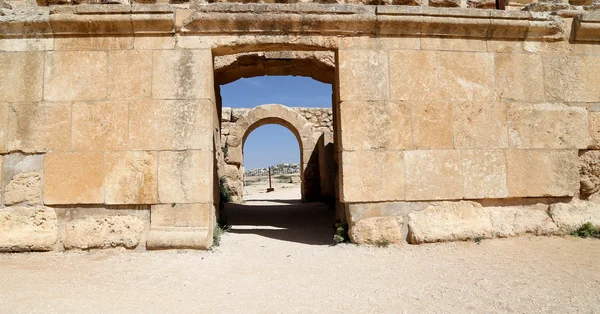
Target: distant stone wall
pixel 318 120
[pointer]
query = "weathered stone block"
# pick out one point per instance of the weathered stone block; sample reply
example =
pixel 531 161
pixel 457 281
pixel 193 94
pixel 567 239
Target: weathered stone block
pixel 360 211
pixel 170 124
pixel 198 238
pixel 4 107
pixel 103 232
pixel 441 75
pixel 547 126
pixel 432 125
pixel 372 176
pixel 181 215
pixel 363 75
pixel 75 75
pixel 94 43
pixel 99 126
pixel 376 230
pixel 444 3
pixel 25 187
pixel 182 74
pixel 185 177
pixel 480 125
pixel 594 127
pixel 459 221
pixel 589 169
pixel 484 173
pixel 519 77
pixel 375 125
pixel 74 178
pixel 433 175
pixel 39 127
pixel 21 74
pixel 571 78
pixel 532 173
pixel 16 163
pixel 28 229
pixel 129 74
pixel 154 42
pixel 131 178
pixel 226 115
pixel 571 216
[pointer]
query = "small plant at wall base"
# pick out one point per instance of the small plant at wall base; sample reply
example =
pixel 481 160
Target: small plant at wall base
pixel 341 233
pixel 225 197
pixel 587 230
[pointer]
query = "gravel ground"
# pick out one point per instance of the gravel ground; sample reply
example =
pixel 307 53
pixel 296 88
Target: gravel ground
pixel 277 259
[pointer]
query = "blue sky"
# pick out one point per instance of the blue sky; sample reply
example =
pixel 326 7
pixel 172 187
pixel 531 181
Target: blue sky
pixel 273 144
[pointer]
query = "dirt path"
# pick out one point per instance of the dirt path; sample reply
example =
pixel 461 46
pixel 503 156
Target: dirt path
pixel 278 260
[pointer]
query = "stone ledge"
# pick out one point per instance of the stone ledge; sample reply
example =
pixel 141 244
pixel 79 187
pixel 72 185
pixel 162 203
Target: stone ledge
pixel 304 19
pixel 179 238
pixel 587 28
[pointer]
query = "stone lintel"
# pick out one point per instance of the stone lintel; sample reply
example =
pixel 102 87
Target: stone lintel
pixel 297 19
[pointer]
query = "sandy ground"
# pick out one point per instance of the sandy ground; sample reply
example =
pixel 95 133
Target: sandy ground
pixel 278 259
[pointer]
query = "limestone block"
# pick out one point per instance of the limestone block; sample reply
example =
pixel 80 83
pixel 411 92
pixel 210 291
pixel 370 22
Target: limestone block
pixel 375 125
pixel 594 126
pixel 432 125
pixel 453 44
pixel 571 78
pixel 547 126
pixel 532 173
pixel 99 126
pixel 39 127
pixel 459 221
pixel 16 163
pixel 484 174
pixel 27 44
pixel 433 175
pixel 74 178
pixel 4 107
pixel 103 232
pixel 25 187
pixel 363 75
pixel 170 124
pixel 519 77
pixel 21 74
pixel 441 75
pixel 226 114
pixel 376 230
pixel 185 176
pixel 570 216
pixel 154 42
pixel 27 229
pixel 481 4
pixel 131 178
pixel 360 211
pixel 589 169
pixel 181 215
pixel 480 125
pixel 182 74
pixel 94 43
pixel 129 74
pixel 198 238
pixel 237 113
pixel 75 75
pixel 372 176
pixel 444 3
pixel 232 172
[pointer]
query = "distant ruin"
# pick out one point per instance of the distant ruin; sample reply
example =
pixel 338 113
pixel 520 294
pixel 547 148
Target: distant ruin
pixel 450 120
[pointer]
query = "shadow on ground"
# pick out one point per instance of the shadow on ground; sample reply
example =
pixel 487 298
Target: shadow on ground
pixel 293 221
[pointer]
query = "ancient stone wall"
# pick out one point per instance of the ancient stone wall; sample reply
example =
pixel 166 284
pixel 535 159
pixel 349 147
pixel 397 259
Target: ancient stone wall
pixel 450 123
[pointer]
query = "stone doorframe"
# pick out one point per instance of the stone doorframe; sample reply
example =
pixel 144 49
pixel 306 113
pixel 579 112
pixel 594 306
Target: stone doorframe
pixel 288 118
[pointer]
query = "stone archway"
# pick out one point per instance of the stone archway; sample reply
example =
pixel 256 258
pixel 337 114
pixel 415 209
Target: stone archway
pixel 272 114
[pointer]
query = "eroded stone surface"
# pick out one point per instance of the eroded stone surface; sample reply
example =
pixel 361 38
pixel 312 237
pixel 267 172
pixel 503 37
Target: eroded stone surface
pixel 480 125
pixel 28 229
pixel 433 175
pixel 103 232
pixel 571 216
pixel 39 127
pixel 185 176
pixel 181 215
pixel 484 173
pixel 363 75
pixel 99 126
pixel 459 221
pixel 432 125
pixel 131 178
pixel 25 187
pixel 378 230
pixel 182 74
pixel 74 178
pixel 589 169
pixel 22 76
pixel 84 72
